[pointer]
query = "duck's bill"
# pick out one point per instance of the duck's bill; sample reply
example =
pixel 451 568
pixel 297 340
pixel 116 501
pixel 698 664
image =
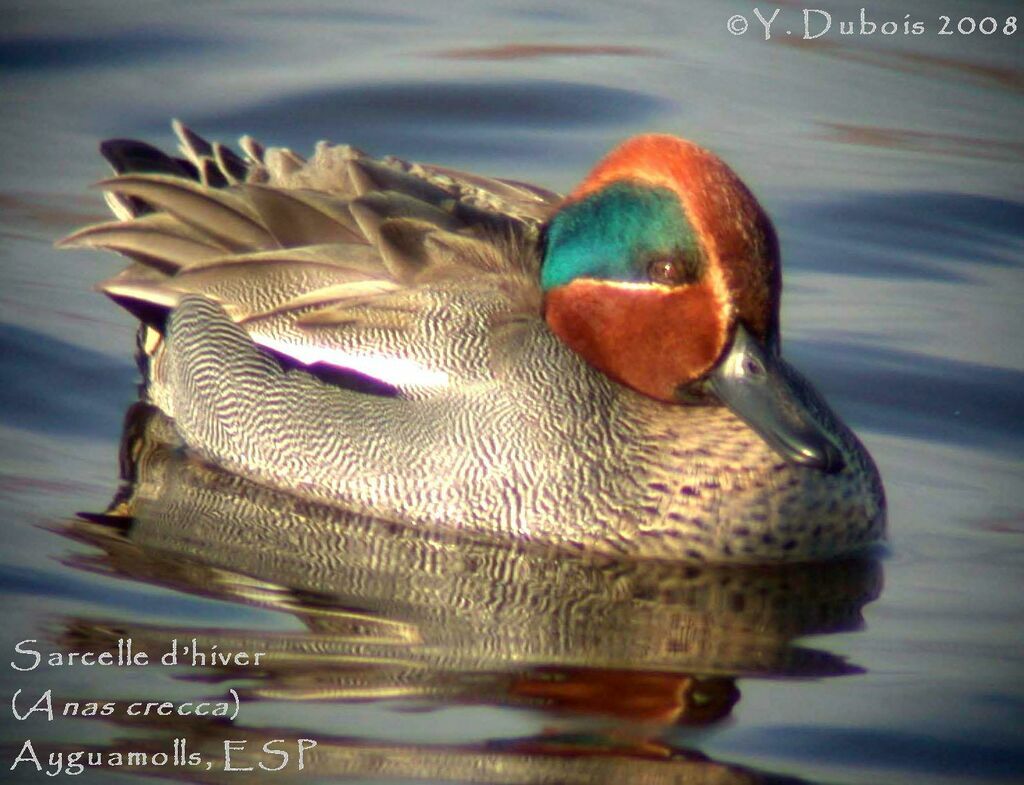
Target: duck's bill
pixel 765 392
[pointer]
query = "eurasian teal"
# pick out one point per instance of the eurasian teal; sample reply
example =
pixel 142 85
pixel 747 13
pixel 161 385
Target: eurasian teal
pixel 601 372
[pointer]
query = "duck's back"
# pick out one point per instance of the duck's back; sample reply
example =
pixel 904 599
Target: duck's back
pixel 340 262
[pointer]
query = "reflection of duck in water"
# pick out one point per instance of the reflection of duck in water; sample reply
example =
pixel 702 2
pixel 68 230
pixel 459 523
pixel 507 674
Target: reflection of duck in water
pixel 625 651
pixel 458 352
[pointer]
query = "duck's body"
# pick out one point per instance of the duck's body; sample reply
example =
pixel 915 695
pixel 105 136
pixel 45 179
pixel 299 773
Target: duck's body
pixel 405 341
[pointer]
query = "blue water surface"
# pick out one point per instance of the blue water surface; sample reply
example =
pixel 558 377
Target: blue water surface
pixel 893 167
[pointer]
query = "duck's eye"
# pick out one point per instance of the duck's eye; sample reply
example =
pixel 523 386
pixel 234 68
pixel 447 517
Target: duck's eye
pixel 667 271
pixel 753 368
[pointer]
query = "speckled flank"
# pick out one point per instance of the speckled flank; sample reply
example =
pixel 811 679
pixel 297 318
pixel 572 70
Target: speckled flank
pixel 588 465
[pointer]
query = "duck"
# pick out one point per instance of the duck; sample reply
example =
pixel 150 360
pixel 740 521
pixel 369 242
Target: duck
pixel 599 373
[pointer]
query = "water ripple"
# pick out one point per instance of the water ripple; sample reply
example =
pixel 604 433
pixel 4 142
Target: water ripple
pixel 45 381
pixel 915 395
pixel 62 52
pixel 430 119
pixel 928 236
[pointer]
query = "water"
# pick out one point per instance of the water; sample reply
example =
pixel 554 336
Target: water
pixel 893 168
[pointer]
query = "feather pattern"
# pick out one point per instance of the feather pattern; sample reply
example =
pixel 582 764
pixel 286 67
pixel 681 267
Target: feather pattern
pixel 271 286
pixel 290 248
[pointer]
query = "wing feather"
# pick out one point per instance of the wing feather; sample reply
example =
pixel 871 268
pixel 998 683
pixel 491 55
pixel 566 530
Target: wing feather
pixel 392 269
pixel 213 211
pixel 157 239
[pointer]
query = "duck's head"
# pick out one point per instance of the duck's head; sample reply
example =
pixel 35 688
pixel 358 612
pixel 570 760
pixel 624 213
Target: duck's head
pixel 662 270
